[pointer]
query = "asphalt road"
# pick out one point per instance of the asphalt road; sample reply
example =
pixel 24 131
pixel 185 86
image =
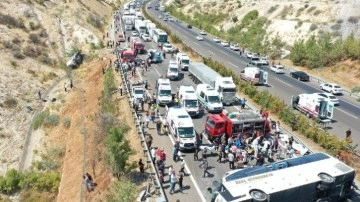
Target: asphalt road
pixel 195 182
pixel 346 115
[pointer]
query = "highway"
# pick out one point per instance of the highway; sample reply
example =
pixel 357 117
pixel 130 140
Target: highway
pixel 346 115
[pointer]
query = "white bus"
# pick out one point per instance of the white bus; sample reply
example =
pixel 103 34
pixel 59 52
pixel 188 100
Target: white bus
pixel 160 36
pixel 312 178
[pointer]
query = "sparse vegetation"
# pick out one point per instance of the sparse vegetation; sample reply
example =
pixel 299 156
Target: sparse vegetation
pixel 50 160
pixel 34 38
pixel 39 119
pixel 336 27
pixel 313 27
pixel 355 89
pixel 96 21
pixel 51 120
pixel 299 11
pixel 353 20
pixel 123 190
pixel 10 21
pixel 339 21
pixel 234 19
pixel 272 9
pixel 32 51
pixel 10 102
pixel 317 12
pixel 299 24
pixel 13 63
pixel 18 55
pixel 66 122
pixel 311 9
pixel 285 11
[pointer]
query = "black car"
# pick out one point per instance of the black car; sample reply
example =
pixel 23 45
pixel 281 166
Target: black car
pixel 300 75
pixel 189 26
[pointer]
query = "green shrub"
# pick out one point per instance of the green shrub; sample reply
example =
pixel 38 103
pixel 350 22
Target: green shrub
pixel 41 181
pixel 313 27
pixel 272 9
pixel 339 21
pixel 312 8
pixel 34 38
pixel 335 26
pixel 39 118
pixel 123 190
pixel 66 122
pixel 52 120
pixel 95 21
pixel 10 182
pixel 10 21
pixel 355 89
pixel 317 12
pixel 353 20
pixel 18 55
pixel 10 102
pixel 175 39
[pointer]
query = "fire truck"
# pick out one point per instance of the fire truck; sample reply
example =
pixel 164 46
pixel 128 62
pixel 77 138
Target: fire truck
pixel 234 123
pixel 137 44
pixel 127 55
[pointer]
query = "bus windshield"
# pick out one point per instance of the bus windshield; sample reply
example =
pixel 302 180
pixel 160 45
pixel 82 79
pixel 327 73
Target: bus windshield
pixel 191 103
pixel 186 62
pixel 186 132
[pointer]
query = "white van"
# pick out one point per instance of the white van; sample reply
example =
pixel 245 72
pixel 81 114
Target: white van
pixel 188 100
pixel 173 71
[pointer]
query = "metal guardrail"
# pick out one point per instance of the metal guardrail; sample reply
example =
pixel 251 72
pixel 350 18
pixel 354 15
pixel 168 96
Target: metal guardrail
pixel 146 150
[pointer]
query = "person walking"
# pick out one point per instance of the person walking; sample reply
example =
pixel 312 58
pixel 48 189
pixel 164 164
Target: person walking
pixel 170 171
pixel 206 167
pixel 148 140
pixel 277 128
pixel 158 126
pixel 231 160
pixel 219 156
pixel 173 181
pixel 153 154
pixel 182 167
pixel 196 157
pixel 175 154
pixel 180 180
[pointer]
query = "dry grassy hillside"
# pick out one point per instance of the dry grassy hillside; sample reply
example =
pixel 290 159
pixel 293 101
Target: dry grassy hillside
pixel 34 39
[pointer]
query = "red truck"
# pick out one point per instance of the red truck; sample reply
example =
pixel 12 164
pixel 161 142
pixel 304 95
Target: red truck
pixel 137 44
pixel 233 123
pixel 127 55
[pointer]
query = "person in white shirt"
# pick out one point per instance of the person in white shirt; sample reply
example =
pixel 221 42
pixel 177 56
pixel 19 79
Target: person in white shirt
pixel 231 159
pixel 153 154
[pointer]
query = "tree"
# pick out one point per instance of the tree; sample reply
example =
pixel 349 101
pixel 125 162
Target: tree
pixel 118 151
pixel 298 53
pixel 313 53
pixel 277 45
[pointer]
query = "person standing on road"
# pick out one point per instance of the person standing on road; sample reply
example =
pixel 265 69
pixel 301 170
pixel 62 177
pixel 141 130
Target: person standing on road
pixel 231 160
pixel 170 171
pixel 243 103
pixel 141 166
pixel 153 154
pixel 158 126
pixel 196 157
pixel 175 154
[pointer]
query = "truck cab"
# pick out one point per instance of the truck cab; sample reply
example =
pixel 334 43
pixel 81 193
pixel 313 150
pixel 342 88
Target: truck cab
pixel 173 71
pixel 180 125
pixel 137 44
pixel 164 95
pixel 183 61
pixel 188 100
pixel 127 55
pixel 227 89
pixel 209 98
pixel 233 123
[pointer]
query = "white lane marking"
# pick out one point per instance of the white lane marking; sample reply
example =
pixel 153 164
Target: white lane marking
pixel 236 108
pixel 157 71
pixel 349 103
pixel 284 82
pixel 347 113
pixel 196 43
pixel 232 64
pixel 223 52
pixel 211 52
pixel 187 169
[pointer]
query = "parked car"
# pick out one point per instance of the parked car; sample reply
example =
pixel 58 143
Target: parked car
pixel 202 32
pixel 332 88
pixel 264 60
pixel 168 48
pixel 234 47
pixel 225 43
pixel 216 40
pixel 330 98
pixel 200 38
pixel 189 26
pixel 278 69
pixel 146 37
pixel 165 18
pixel 134 33
pixel 249 55
pixel 300 75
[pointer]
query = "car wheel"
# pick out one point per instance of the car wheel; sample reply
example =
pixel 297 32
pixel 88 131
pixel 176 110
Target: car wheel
pixel 258 195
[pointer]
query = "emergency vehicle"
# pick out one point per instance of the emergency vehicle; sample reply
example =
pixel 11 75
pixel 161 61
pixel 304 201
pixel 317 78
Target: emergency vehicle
pixel 188 100
pixel 254 75
pixel 313 105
